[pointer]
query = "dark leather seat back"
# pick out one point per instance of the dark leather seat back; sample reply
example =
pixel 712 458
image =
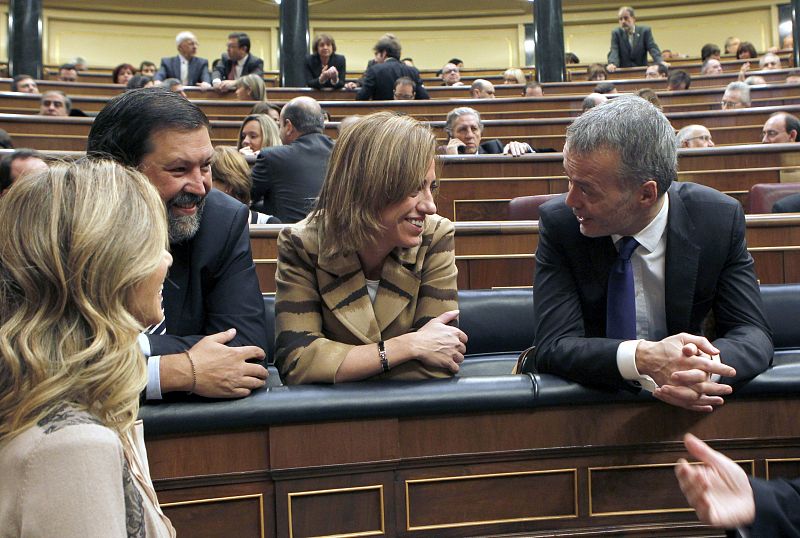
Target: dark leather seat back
pixel 763 196
pixel 497 321
pixel 527 207
pixel 782 310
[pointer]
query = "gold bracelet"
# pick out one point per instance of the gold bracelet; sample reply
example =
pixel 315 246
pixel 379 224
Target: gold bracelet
pixel 194 372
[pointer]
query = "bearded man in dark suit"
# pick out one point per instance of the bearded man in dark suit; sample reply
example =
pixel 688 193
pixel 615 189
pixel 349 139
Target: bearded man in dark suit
pixel 214 314
pixel 630 43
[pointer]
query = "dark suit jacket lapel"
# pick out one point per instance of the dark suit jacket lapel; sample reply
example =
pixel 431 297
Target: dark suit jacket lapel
pixel 680 266
pixel 176 67
pixel 343 289
pixel 176 285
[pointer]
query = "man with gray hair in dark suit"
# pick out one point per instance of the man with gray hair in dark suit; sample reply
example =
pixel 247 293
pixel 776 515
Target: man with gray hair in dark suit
pixel 186 66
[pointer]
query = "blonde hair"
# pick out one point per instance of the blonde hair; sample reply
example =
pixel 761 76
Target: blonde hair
pixel 516 73
pixel 270 136
pixel 78 240
pixel 230 168
pixel 255 84
pixel 377 161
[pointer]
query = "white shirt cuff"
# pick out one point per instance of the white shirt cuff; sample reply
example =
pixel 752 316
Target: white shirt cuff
pixel 216 81
pixel 626 363
pixel 153 390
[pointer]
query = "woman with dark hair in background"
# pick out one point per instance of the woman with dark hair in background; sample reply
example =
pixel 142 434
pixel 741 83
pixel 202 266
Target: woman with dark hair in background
pixel 122 73
pixel 325 69
pixel 746 51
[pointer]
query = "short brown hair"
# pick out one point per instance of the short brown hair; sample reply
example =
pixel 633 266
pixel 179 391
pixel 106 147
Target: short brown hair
pixel 229 167
pixel 319 39
pixel 378 161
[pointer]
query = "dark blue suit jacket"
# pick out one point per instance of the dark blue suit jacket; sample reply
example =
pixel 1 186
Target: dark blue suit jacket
pixel 379 81
pixel 212 285
pixel 171 68
pixel 252 66
pixel 290 177
pixel 707 269
pixel 621 53
pixel 777 508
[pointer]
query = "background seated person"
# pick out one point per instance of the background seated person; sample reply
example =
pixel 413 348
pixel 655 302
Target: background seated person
pixel 533 89
pixel 695 136
pixel 366 284
pixel 514 75
pixel 258 131
pixel 231 175
pixel 251 88
pixel 77 288
pixel 465 130
pixel 596 72
pixel 737 95
pixel 404 89
pixel 325 69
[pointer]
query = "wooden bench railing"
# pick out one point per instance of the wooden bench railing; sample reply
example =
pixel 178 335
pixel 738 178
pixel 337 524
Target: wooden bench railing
pixel 501 254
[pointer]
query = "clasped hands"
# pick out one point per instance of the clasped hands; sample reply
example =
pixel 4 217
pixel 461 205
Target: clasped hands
pixel 683 367
pixel 329 73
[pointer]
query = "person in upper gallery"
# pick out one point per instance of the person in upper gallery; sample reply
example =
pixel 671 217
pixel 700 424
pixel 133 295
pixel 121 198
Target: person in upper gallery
pixel 174 85
pixel 24 84
pixel 793 76
pixel 451 76
pixel 186 66
pixel 694 136
pixel 465 130
pixel 366 285
pixel 408 61
pixel 141 81
pixel 273 111
pixel 592 100
pixel 289 177
pixel 656 71
pixel 732 45
pixel 649 95
pixel 258 131
pixel 631 262
pixel 67 73
pixel 77 288
pixel 533 89
pixel 596 72
pixel 379 80
pixel 780 128
pixel 678 80
pixel 55 103
pixel 737 95
pixel 768 62
pixel 709 50
pixel 711 66
pixel 355 84
pixel 122 74
pixel 235 63
pixel 251 88
pixel 147 68
pixel 746 51
pixel 631 43
pixel 404 89
pixel 481 89
pixel 725 497
pixel 514 75
pixel 606 88
pixel 324 69
pixel 213 323
pixel 231 175
pixel 14 165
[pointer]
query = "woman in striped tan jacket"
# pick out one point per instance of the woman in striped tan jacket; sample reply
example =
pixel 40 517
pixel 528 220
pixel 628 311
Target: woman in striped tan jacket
pixel 366 284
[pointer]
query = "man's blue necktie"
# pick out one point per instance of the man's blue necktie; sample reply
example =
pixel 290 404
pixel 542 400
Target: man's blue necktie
pixel 621 301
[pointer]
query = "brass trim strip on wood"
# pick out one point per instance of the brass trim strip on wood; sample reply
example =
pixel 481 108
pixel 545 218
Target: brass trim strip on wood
pixel 259 496
pixel 409 527
pixel 309 493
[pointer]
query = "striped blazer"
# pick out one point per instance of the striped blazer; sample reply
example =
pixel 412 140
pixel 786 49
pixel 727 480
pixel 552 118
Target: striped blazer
pixel 323 310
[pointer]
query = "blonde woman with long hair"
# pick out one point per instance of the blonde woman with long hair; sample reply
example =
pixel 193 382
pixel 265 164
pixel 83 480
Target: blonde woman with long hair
pixel 366 284
pixel 82 262
pixel 258 131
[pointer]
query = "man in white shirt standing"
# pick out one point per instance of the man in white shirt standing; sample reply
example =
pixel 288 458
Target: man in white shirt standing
pixel 186 66
pixel 630 263
pixel 235 63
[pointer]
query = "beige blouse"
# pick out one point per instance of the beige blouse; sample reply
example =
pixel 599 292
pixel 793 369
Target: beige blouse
pixel 70 476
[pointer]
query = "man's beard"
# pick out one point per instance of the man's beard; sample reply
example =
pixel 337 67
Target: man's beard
pixel 182 228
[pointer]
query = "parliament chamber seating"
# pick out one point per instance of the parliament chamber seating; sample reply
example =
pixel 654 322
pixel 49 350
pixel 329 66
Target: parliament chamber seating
pixel 763 196
pixel 402 457
pixel 527 207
